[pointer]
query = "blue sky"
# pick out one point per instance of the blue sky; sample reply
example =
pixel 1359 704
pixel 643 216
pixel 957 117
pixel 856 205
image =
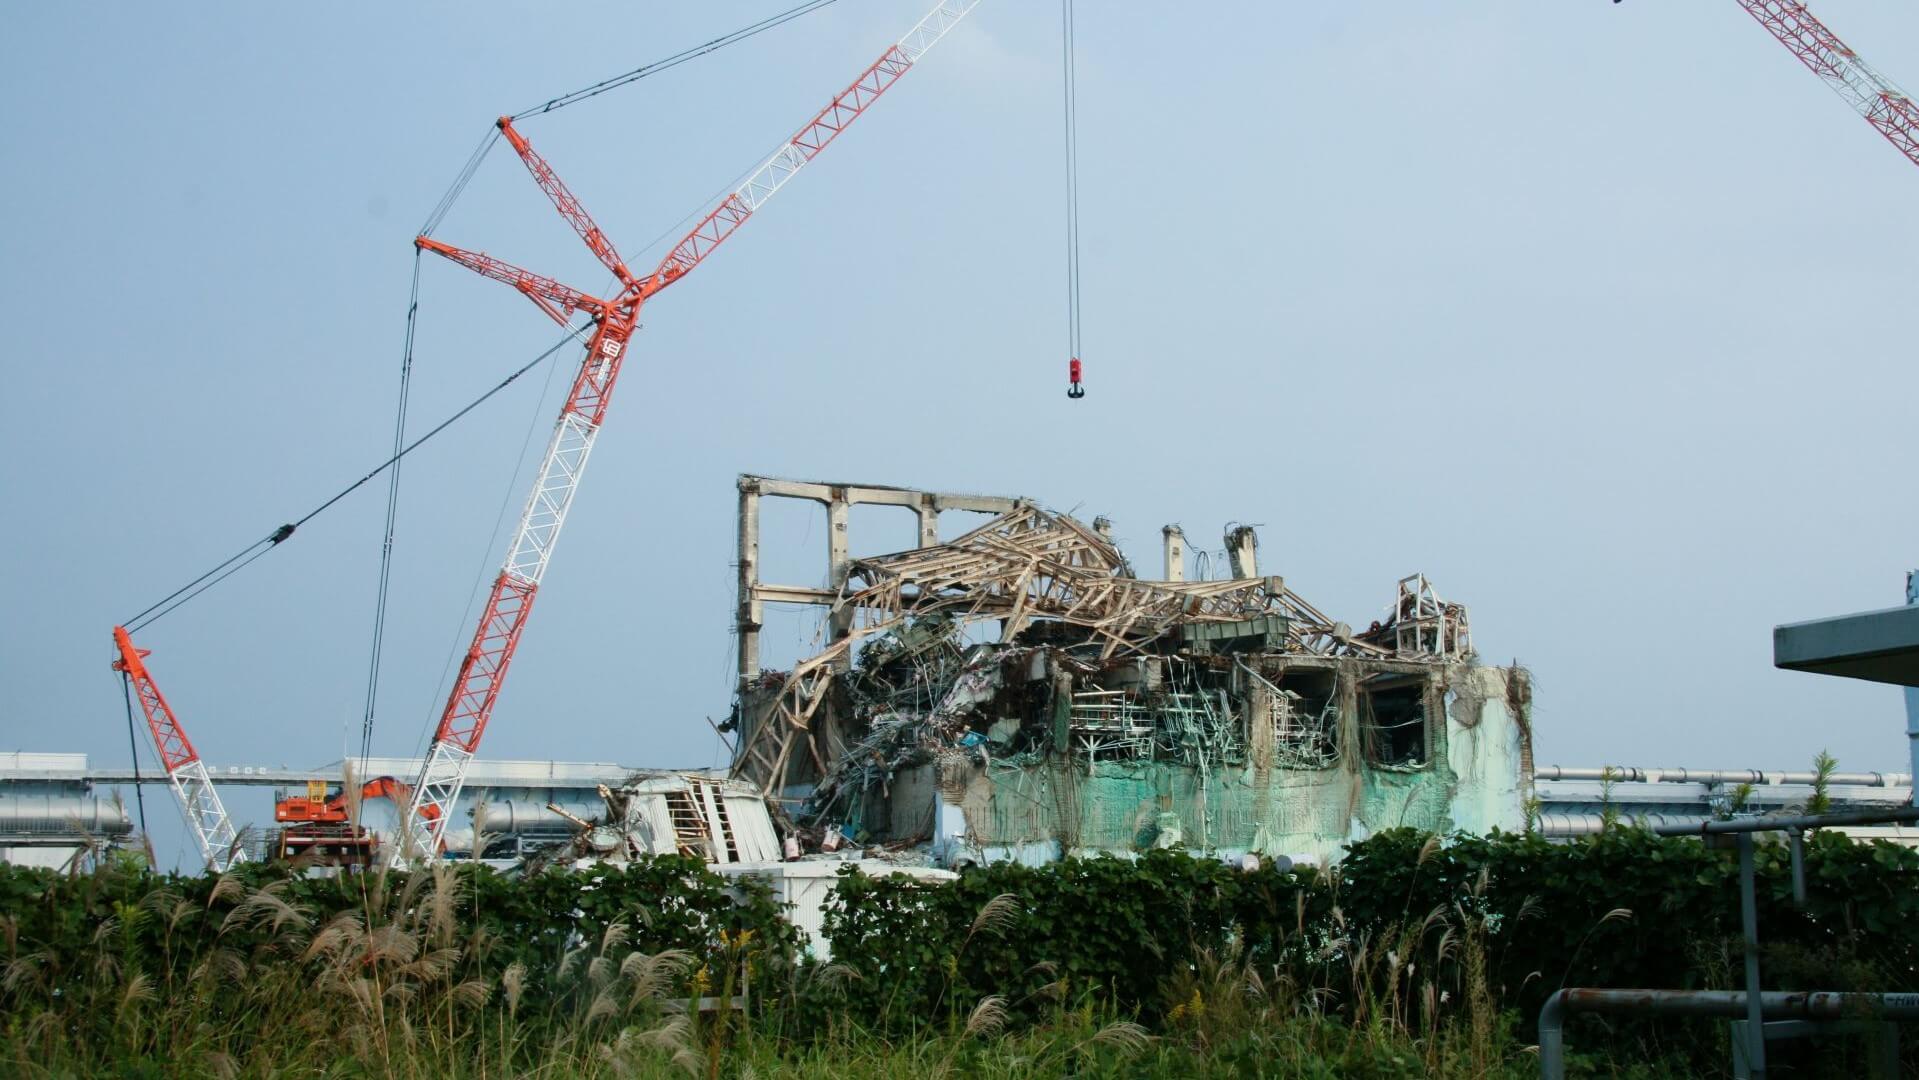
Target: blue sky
pixel 1595 314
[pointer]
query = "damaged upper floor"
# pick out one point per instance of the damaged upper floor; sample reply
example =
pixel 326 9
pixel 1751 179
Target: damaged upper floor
pixel 918 624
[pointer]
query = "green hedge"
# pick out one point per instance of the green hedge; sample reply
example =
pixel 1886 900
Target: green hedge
pixel 1455 939
pixel 1535 912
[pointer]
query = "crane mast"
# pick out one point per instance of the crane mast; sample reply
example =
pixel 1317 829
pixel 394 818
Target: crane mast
pixel 476 688
pixel 206 815
pixel 1871 95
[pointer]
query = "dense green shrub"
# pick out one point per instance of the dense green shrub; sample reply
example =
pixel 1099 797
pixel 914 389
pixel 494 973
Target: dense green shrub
pixel 1415 955
pixel 1409 929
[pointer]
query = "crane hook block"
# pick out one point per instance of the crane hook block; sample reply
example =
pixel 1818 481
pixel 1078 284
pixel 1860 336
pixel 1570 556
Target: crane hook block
pixel 1072 376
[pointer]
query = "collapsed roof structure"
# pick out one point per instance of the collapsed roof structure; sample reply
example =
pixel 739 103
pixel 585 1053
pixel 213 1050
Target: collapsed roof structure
pixel 1019 691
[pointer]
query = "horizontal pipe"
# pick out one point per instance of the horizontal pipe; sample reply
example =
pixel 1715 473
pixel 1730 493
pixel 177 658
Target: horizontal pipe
pixel 49 815
pixel 1555 826
pixel 1776 1005
pixel 1890 816
pixel 1632 774
pixel 1561 826
pixel 512 816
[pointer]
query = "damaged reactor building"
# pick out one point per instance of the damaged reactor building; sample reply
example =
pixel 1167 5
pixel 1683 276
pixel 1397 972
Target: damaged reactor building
pixel 1019 692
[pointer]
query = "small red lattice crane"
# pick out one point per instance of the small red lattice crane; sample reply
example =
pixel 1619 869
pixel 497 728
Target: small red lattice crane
pixel 477 686
pixel 206 816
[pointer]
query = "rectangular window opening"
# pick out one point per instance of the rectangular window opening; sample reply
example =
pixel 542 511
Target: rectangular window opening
pixel 1392 719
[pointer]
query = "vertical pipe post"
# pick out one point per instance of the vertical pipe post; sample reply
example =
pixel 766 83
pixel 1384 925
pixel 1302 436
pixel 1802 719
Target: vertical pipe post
pixel 1798 837
pixel 1912 698
pixel 1552 1037
pixel 1749 920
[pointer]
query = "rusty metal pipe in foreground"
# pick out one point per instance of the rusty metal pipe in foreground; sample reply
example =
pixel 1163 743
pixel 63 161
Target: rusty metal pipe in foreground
pixel 1731 1004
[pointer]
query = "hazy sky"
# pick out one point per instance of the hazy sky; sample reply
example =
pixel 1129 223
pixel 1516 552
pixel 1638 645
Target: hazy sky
pixel 1597 315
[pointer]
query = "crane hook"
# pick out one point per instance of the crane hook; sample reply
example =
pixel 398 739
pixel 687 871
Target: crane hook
pixel 1072 376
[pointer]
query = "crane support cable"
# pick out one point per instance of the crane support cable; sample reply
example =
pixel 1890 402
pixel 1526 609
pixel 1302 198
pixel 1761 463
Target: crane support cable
pixel 133 751
pixel 675 60
pixel 454 190
pixel 1070 103
pixel 260 547
pixel 392 512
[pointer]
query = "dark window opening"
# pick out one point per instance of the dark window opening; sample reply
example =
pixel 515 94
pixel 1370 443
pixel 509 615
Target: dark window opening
pixel 1392 717
pixel 1303 705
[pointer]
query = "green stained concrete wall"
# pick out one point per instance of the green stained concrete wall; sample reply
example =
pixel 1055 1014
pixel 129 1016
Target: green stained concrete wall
pixel 1473 780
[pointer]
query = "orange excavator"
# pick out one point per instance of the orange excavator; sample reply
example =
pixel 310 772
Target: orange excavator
pixel 321 823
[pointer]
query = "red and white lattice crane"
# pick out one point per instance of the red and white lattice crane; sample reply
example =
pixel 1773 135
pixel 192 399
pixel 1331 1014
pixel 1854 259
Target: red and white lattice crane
pixel 476 689
pixel 1871 95
pixel 206 815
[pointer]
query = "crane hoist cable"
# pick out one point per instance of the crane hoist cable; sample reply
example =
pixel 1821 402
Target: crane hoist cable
pixel 1070 102
pixel 192 782
pixel 392 515
pixel 434 218
pixel 477 685
pixel 133 750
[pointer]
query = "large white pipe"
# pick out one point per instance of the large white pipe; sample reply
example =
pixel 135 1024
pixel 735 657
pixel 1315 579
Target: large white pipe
pixel 53 815
pixel 1631 774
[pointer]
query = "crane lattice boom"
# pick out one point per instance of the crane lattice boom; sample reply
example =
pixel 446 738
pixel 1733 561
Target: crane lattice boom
pixel 206 815
pixel 1871 95
pixel 476 689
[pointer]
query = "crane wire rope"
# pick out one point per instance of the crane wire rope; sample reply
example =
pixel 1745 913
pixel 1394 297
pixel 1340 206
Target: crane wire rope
pixel 434 218
pixel 268 543
pixel 453 192
pixel 133 749
pixel 675 60
pixel 440 210
pixel 489 561
pixel 392 512
pixel 1070 106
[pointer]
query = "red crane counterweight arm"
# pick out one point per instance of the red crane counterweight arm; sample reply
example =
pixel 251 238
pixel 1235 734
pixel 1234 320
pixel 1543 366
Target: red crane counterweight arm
pixel 557 299
pixel 567 204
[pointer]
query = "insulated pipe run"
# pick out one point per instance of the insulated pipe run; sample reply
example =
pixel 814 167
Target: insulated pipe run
pixel 1899 815
pixel 1727 1003
pixel 56 815
pixel 1629 774
pixel 1559 826
pixel 511 817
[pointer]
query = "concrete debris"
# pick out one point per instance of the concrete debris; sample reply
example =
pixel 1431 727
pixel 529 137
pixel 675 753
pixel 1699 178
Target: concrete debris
pixel 1017 692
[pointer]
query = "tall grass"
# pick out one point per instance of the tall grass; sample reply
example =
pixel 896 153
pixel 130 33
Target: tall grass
pixel 248 982
pixel 1413 958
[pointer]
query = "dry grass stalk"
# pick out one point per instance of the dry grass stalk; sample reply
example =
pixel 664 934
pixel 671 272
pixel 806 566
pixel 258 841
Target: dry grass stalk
pixel 988 1018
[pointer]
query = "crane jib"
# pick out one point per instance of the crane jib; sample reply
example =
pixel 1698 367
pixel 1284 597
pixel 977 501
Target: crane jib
pixel 483 670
